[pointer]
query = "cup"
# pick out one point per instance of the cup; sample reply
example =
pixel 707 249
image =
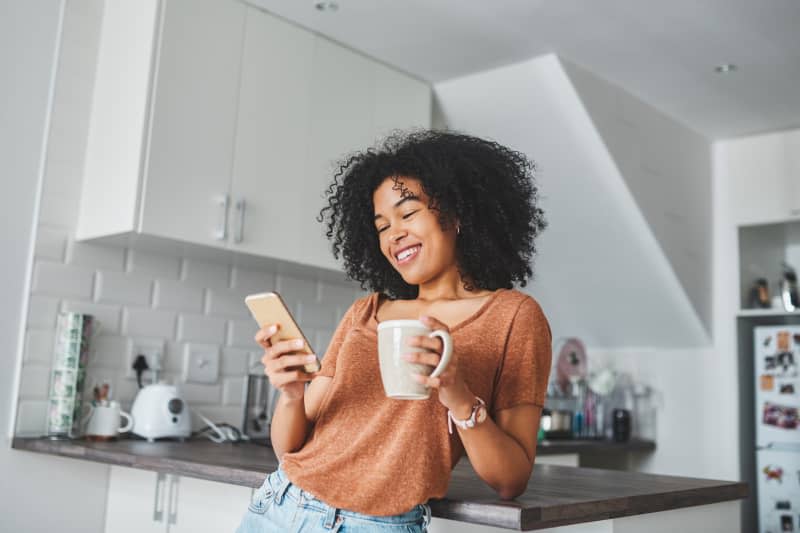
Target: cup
pixel 103 421
pixel 396 372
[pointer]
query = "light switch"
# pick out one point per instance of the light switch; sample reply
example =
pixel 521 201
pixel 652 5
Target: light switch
pixel 201 363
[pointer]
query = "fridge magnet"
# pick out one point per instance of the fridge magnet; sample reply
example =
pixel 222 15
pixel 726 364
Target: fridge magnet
pixel 786 364
pixel 773 473
pixel 781 416
pixel 767 382
pixel 783 505
pixel 767 341
pixel 784 340
pixel 787 522
pixel 786 388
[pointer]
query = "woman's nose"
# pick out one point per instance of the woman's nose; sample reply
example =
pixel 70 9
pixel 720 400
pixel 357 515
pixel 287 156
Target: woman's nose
pixel 397 235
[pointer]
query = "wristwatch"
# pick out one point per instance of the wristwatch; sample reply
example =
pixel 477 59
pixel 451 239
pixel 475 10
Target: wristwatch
pixel 477 416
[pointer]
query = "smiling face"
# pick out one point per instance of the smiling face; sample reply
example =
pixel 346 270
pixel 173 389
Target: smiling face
pixel 410 236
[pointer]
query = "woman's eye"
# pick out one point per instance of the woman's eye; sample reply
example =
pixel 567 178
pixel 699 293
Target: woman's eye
pixel 380 230
pixel 409 214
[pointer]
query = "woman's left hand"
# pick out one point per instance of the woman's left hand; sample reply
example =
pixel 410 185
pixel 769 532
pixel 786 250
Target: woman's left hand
pixel 450 385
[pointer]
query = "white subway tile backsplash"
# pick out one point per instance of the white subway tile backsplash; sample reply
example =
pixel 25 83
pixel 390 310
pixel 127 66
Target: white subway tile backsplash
pixel 110 352
pixel 226 302
pixel 252 281
pixel 51 242
pixel 145 322
pixel 35 382
pixel 337 294
pixel 42 311
pixel 241 334
pixel 95 256
pixel 149 265
pixel 107 315
pixel 168 294
pixel 295 290
pixel 173 358
pixel 39 344
pixel 314 314
pixel 200 394
pixel 233 391
pixel 31 417
pixel 234 362
pixel 118 287
pixel 58 279
pixel 322 340
pixel 199 328
pixel 209 275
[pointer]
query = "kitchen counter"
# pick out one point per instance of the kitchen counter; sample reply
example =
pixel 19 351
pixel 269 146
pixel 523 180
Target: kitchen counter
pixel 556 495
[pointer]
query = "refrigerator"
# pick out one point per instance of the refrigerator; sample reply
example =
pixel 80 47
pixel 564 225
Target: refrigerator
pixel 777 350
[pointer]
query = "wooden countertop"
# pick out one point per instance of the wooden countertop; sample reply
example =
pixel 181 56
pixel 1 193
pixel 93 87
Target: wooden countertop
pixel 556 495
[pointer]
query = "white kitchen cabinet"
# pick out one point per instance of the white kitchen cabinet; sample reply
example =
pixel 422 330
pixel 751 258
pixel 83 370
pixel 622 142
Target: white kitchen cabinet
pixel 764 177
pixel 161 133
pixel 217 124
pixel 142 501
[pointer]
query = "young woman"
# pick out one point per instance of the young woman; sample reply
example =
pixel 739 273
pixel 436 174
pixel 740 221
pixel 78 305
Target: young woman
pixel 439 226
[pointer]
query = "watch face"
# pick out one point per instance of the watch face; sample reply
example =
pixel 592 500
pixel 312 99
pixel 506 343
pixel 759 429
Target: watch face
pixel 481 414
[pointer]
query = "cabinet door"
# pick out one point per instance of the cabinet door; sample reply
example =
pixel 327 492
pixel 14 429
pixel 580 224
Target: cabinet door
pixel 341 122
pixel 400 102
pixel 272 138
pixel 758 184
pixel 136 501
pixel 192 119
pixel 792 146
pixel 199 505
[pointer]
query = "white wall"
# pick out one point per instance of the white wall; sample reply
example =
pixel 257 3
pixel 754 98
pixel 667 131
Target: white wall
pixel 667 168
pixel 600 274
pixel 38 493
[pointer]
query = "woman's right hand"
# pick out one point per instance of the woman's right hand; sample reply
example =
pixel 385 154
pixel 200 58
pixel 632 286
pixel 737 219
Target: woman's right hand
pixel 282 365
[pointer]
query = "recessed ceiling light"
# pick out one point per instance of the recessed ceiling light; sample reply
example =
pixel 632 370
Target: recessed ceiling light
pixel 725 68
pixel 326 6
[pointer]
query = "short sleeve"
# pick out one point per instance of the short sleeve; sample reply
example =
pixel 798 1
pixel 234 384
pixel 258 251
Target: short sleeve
pixel 525 366
pixel 345 326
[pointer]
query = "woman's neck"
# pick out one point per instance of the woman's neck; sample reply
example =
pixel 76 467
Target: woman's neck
pixel 448 286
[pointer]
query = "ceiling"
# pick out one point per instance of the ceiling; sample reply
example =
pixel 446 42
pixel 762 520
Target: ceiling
pixel 662 52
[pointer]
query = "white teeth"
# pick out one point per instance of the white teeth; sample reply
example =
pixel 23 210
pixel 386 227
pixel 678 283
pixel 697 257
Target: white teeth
pixel 407 253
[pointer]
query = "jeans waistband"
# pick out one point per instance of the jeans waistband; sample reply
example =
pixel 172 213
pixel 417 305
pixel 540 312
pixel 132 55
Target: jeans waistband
pixel 282 487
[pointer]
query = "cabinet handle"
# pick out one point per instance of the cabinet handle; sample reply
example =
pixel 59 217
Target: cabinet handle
pixel 238 235
pixel 222 223
pixel 173 500
pixel 158 504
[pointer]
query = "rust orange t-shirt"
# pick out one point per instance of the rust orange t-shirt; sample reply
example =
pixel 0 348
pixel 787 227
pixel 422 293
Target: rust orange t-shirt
pixel 380 456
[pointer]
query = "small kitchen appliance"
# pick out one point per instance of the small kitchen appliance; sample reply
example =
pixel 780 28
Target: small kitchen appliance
pixel 159 412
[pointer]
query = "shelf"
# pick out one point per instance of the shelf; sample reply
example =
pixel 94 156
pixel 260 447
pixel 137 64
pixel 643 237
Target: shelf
pixel 766 312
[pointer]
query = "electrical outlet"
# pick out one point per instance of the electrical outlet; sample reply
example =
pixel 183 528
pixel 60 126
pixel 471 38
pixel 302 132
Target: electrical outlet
pixel 200 363
pixel 153 351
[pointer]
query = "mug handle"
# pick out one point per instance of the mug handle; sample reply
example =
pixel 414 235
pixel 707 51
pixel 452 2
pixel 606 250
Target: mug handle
pixel 447 351
pixel 129 425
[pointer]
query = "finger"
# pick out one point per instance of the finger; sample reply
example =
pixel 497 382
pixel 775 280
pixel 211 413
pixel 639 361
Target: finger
pixel 423 358
pixel 433 323
pixel 434 344
pixel 283 347
pixel 263 334
pixel 289 361
pixel 285 378
pixel 433 383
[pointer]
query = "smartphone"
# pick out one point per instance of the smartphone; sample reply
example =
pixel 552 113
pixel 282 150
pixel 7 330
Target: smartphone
pixel 269 308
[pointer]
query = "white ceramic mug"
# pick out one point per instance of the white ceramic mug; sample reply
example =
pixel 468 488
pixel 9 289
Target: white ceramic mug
pixel 104 421
pixel 396 372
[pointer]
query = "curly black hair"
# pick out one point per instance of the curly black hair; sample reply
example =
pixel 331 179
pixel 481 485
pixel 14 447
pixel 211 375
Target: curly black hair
pixel 488 188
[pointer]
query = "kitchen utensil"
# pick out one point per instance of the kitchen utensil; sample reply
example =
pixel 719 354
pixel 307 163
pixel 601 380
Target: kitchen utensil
pixel 159 412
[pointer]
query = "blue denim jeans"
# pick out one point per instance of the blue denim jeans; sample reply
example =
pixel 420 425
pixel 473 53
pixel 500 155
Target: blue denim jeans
pixel 280 506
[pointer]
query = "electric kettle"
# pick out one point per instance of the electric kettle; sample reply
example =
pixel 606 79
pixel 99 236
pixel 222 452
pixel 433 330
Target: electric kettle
pixel 159 412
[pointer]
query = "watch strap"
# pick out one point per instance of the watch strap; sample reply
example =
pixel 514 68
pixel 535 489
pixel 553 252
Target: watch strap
pixel 470 422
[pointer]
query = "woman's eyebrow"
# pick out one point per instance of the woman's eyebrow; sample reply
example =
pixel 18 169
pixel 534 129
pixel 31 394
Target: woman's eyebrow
pixel 400 202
